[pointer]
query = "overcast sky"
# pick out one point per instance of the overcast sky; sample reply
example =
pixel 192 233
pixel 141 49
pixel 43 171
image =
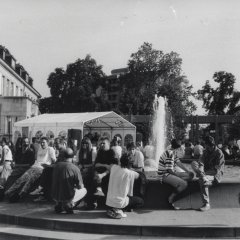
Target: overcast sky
pixel 45 34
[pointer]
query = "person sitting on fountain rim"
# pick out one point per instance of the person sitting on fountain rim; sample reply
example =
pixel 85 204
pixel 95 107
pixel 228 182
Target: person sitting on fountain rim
pixel 137 158
pixel 209 169
pixel 167 169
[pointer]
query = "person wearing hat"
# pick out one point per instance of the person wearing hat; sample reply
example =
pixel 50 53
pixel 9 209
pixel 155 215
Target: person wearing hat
pixel 167 166
pixel 209 169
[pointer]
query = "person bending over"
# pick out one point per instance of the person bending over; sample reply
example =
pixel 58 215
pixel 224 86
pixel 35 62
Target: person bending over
pixel 168 163
pixel 120 189
pixel 209 169
pixel 67 184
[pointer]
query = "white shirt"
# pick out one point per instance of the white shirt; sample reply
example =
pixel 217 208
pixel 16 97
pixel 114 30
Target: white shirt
pixel 118 151
pixel 7 153
pixel 45 156
pixel 120 186
pixel 138 159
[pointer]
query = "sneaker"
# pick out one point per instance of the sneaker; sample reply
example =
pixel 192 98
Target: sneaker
pixel 68 208
pixel 37 191
pixel 113 214
pixel 173 207
pixel 99 193
pixel 123 215
pixel 205 207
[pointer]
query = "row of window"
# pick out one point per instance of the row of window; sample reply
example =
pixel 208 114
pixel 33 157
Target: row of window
pixel 8 88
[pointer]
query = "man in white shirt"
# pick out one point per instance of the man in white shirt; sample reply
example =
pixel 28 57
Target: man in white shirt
pixel 24 184
pixel 5 167
pixel 120 189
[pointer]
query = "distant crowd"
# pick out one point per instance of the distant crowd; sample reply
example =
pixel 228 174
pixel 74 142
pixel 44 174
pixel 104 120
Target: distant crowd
pixel 54 169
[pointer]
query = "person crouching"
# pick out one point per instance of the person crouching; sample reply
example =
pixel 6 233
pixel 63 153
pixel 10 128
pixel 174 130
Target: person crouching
pixel 120 189
pixel 67 184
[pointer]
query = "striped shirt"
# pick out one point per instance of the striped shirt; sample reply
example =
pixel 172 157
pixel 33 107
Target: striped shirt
pixel 167 162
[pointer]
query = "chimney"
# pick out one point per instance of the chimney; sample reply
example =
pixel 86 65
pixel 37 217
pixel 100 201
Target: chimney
pixel 2 52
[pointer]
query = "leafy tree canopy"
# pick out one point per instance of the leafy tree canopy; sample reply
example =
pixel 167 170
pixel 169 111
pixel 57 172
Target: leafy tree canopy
pixel 73 89
pixel 223 99
pixel 153 72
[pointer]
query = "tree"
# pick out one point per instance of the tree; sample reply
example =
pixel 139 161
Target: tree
pixel 73 90
pixel 153 72
pixel 223 99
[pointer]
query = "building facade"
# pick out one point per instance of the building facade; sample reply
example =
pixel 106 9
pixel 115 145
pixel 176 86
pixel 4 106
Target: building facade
pixel 113 86
pixel 18 97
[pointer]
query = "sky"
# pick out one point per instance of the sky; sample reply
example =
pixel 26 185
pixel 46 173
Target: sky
pixel 43 35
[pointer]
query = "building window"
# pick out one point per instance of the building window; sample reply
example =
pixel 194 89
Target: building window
pixel 1 84
pixel 8 88
pixel 17 93
pixel 12 89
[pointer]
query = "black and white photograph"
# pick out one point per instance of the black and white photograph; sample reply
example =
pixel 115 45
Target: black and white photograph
pixel 119 119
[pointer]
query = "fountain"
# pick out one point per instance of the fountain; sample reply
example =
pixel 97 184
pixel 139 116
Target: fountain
pixel 159 132
pixel 159 126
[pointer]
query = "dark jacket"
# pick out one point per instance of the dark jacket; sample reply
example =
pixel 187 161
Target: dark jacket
pixel 214 161
pixel 66 177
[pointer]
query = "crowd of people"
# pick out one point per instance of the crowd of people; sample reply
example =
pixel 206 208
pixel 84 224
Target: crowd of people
pixel 231 150
pixel 53 169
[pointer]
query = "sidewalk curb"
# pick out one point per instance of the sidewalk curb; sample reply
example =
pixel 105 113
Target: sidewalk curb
pixel 137 230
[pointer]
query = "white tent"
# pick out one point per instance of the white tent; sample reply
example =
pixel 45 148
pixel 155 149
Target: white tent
pixel 103 123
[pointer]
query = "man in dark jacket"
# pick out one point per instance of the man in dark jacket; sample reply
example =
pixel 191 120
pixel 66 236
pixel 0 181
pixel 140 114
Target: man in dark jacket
pixel 105 157
pixel 67 184
pixel 209 170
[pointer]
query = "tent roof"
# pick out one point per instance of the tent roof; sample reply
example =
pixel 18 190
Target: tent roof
pixel 88 119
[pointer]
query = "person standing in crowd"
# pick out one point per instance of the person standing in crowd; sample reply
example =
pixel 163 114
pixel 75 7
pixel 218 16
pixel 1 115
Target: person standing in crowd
pixel 137 157
pixel 24 184
pixel 84 154
pixel 120 191
pixel 198 150
pixel 84 160
pixel 12 148
pixel 209 169
pixel 117 148
pixel 139 146
pixel 188 152
pixel 166 170
pixel 105 157
pixel 24 158
pixel 6 162
pixel 35 145
pixel 67 184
